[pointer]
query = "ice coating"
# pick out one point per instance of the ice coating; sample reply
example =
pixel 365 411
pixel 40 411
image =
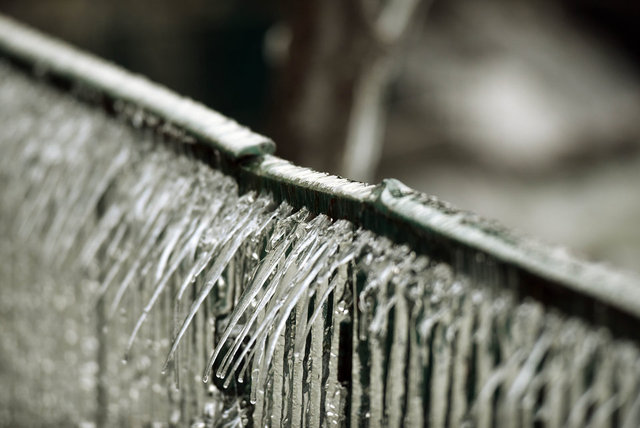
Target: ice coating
pixel 115 244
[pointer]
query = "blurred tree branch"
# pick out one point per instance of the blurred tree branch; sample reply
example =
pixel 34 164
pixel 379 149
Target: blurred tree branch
pixel 330 113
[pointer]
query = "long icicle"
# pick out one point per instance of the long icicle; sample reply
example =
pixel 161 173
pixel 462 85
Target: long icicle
pixel 221 262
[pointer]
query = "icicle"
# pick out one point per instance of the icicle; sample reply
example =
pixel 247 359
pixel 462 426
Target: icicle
pixel 301 247
pixel 264 270
pixel 223 258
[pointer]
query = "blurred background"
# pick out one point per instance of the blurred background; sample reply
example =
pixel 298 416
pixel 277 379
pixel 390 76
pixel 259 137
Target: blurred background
pixel 525 111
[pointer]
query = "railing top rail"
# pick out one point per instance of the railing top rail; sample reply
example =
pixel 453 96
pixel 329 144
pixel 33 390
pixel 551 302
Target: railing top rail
pixel 594 292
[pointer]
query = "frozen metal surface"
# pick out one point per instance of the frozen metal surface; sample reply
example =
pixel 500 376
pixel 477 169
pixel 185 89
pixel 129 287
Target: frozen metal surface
pixel 286 306
pixel 595 292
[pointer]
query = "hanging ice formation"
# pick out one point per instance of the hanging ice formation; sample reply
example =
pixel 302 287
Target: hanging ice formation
pixel 116 244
